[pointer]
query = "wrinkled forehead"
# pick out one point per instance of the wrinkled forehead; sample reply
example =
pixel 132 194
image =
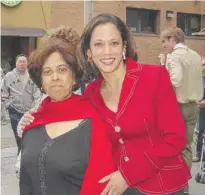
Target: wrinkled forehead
pixel 54 60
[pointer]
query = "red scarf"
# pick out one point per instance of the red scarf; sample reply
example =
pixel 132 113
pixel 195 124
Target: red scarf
pixel 66 110
pixel 100 160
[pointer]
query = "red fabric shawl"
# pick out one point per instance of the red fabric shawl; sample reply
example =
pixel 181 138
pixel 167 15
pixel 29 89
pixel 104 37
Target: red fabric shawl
pixel 77 107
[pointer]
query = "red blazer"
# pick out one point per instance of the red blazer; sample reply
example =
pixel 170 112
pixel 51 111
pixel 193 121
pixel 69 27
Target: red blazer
pixel 147 132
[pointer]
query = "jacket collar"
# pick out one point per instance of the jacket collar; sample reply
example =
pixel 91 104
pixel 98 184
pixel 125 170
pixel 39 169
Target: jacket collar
pixel 133 70
pixel 132 67
pixel 180 45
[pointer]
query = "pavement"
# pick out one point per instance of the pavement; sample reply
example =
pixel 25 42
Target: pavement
pixel 9 181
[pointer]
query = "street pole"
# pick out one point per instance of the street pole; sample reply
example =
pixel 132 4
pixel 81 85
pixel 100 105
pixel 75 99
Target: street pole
pixel 88 11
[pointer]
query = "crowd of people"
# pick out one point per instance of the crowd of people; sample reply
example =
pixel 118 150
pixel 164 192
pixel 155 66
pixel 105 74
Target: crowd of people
pixel 93 121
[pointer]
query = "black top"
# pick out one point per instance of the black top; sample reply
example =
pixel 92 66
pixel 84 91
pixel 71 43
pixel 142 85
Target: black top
pixel 54 166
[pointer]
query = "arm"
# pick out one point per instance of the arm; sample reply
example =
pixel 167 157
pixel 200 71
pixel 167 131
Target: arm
pixel 20 126
pixel 175 69
pixel 171 123
pixel 26 120
pixel 5 93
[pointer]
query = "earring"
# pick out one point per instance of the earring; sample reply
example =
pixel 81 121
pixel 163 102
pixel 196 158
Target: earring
pixel 123 56
pixel 90 59
pixel 41 89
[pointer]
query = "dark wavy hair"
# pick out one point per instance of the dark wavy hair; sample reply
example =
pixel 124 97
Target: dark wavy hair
pixel 84 44
pixel 63 40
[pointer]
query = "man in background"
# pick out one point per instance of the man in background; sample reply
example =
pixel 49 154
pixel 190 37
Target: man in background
pixel 185 68
pixel 19 94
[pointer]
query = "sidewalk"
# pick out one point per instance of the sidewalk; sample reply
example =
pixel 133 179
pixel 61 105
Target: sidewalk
pixel 9 182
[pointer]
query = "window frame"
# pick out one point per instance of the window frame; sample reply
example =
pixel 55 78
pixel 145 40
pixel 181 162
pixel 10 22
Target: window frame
pixel 154 22
pixel 188 16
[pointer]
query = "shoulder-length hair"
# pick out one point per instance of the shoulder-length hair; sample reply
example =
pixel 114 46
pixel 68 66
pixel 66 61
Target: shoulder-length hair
pixel 68 53
pixel 84 44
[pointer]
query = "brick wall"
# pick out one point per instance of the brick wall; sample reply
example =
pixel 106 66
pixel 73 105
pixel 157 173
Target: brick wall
pixel 148 46
pixel 68 13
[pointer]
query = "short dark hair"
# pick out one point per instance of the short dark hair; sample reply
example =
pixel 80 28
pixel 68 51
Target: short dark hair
pixel 84 44
pixel 21 55
pixel 66 46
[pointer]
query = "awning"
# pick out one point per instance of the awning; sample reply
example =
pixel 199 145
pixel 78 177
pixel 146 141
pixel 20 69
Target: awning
pixel 202 32
pixel 22 32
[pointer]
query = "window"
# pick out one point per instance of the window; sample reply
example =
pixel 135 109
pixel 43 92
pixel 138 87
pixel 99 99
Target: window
pixel 189 23
pixel 142 20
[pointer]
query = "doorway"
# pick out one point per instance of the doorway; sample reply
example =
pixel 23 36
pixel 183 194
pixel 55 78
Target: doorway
pixel 12 46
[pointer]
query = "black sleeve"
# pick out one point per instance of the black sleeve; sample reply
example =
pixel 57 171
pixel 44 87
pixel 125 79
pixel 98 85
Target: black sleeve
pixel 25 183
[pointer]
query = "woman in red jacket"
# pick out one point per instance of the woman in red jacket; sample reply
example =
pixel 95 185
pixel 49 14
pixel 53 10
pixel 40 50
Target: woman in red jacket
pixel 140 109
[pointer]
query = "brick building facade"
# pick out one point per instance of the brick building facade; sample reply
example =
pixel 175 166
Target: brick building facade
pixel 148 44
pixel 146 19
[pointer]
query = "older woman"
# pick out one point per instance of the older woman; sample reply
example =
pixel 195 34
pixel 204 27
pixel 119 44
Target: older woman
pixel 65 151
